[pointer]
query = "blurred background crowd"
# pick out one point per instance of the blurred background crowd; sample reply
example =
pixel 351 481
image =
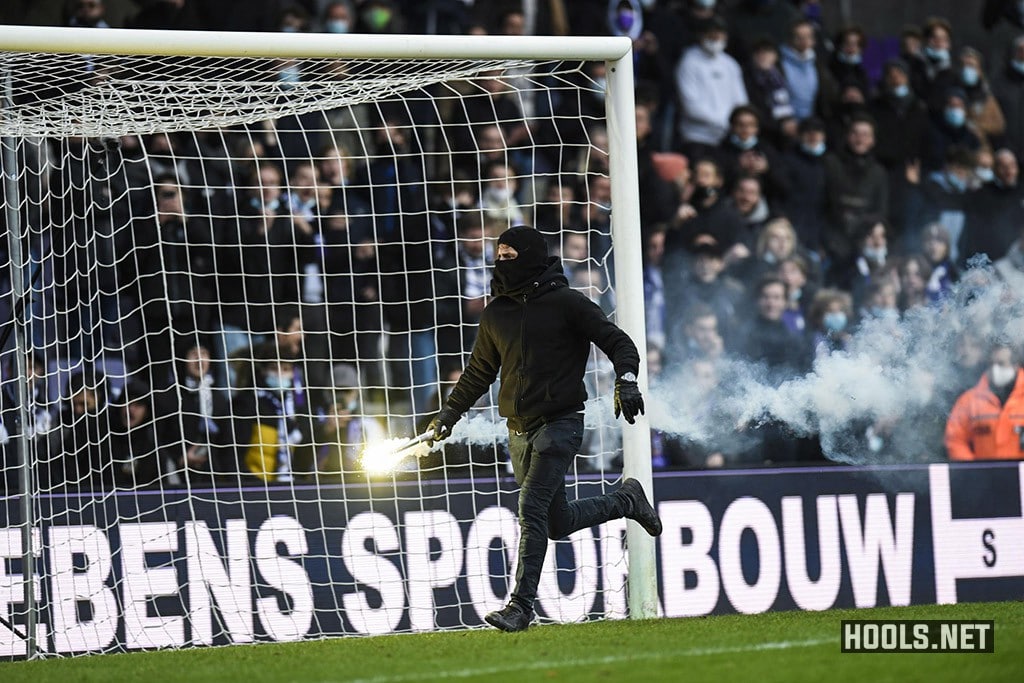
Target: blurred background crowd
pixel 800 181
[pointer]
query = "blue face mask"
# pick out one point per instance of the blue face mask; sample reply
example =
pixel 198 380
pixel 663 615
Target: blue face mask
pixel 955 116
pixel 984 174
pixel 846 58
pixel 749 143
pixel 814 150
pixel 278 382
pixel 835 321
pixel 875 254
pixel 956 182
pixel 969 75
pixel 936 55
pixel 337 26
pixel 1018 66
pixel 901 91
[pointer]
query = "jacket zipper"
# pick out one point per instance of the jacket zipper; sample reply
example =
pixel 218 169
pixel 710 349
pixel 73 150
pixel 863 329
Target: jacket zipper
pixel 522 355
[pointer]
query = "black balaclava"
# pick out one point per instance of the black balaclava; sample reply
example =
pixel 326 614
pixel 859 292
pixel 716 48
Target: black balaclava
pixel 532 248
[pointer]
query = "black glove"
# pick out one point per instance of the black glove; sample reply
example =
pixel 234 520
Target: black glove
pixel 441 426
pixel 629 402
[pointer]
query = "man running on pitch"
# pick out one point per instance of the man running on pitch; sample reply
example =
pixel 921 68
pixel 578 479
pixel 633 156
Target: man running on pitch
pixel 537 332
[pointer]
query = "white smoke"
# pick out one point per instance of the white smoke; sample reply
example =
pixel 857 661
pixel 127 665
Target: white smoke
pixel 894 383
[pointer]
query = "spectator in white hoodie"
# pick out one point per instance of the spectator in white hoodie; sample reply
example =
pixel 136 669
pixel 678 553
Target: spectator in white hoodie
pixel 710 85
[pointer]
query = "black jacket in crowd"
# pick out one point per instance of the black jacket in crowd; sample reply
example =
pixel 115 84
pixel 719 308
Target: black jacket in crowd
pixel 995 217
pixel 539 338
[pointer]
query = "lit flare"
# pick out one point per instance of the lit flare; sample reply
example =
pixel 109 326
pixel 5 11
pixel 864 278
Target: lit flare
pixel 384 456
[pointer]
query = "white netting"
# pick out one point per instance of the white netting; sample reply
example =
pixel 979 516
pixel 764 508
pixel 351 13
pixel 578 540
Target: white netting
pixel 195 230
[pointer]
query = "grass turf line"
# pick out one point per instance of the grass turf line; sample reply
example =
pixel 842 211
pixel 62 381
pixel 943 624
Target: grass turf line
pixel 776 646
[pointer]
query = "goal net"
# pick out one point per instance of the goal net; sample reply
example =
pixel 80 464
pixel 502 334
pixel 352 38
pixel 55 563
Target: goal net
pixel 225 274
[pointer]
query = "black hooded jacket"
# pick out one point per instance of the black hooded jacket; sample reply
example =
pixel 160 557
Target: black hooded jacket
pixel 539 337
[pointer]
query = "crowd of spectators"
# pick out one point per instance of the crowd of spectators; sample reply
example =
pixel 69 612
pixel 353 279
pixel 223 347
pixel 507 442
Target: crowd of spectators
pixel 790 196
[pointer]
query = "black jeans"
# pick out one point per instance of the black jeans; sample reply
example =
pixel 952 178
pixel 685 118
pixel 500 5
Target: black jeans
pixel 540 460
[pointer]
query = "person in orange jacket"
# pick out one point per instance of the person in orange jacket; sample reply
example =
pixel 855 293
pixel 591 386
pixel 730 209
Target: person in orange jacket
pixel 987 421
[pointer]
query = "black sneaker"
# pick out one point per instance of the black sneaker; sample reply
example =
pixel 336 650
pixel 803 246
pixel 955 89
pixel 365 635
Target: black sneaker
pixel 510 618
pixel 639 508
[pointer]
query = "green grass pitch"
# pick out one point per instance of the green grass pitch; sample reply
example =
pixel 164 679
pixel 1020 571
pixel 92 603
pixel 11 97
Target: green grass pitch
pixel 778 646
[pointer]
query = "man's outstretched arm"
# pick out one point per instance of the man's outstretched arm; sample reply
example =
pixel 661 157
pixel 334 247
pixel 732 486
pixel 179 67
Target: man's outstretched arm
pixel 479 374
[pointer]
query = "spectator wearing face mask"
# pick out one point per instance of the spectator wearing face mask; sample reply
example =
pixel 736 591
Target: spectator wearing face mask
pixel 812 90
pixel 745 152
pixel 847 62
pixel 625 18
pixel 1008 88
pixel 338 17
pixel 804 164
pixel 996 212
pixel 948 128
pixel 275 434
pixel 932 75
pixel 498 199
pixel 987 421
pixel 710 86
pixel 829 321
pixel 903 122
pixel 902 119
pixel 983 111
pixel 943 197
pixel 867 262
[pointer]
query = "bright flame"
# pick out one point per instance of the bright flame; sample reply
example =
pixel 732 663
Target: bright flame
pixel 384 456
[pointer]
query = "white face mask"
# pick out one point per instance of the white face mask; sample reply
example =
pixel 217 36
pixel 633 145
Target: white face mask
pixel 876 254
pixel 714 47
pixel 1001 375
pixel 499 194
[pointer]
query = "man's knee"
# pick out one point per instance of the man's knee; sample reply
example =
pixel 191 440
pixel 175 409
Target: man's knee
pixel 531 505
pixel 557 529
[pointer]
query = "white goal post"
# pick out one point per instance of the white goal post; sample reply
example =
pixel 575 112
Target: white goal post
pixel 75 102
